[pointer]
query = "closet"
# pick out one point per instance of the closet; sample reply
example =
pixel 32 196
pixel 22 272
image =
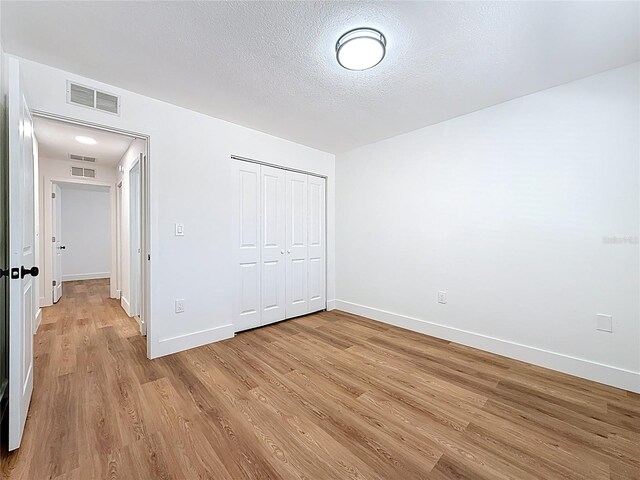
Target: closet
pixel 279 239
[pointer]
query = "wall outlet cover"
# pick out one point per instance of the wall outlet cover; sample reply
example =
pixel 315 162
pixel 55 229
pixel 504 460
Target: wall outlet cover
pixel 442 297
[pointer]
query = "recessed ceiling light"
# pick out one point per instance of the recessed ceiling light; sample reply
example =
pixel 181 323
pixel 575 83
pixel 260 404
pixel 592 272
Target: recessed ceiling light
pixel 85 140
pixel 361 49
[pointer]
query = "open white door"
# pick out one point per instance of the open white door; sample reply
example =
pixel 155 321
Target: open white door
pixel 135 244
pixel 56 244
pixel 22 252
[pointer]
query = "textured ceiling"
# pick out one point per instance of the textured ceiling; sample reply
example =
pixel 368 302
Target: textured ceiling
pixel 56 140
pixel 271 65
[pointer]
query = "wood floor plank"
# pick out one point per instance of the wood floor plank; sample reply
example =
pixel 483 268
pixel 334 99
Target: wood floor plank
pixel 324 396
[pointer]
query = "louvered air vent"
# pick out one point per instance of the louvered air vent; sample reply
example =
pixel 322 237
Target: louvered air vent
pixel 83 172
pixel 81 158
pixel 107 102
pixel 91 98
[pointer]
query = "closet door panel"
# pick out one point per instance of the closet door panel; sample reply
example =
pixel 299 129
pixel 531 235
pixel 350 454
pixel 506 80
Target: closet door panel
pixel 317 248
pixel 246 236
pixel 273 244
pixel 297 246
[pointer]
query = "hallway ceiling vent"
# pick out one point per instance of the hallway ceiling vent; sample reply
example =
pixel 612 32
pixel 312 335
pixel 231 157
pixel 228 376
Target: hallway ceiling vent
pixel 83 172
pixel 88 97
pixel 82 158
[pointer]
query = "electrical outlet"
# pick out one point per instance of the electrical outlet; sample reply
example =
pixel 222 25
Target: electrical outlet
pixel 442 297
pixel 604 323
pixel 180 306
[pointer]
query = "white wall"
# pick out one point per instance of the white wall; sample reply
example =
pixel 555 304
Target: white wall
pixel 86 233
pixel 60 170
pixel 190 183
pixel 127 162
pixel 508 210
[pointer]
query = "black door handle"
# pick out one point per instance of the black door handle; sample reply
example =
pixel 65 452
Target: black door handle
pixel 33 271
pixel 62 247
pixel 4 273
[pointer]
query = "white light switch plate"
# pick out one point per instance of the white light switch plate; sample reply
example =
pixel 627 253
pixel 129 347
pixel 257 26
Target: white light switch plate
pixel 179 229
pixel 180 306
pixel 604 323
pixel 442 297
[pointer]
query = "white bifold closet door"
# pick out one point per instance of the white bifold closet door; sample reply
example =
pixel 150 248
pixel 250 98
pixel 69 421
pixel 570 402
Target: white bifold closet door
pixel 316 224
pixel 273 269
pixel 279 235
pixel 297 245
pixel 247 243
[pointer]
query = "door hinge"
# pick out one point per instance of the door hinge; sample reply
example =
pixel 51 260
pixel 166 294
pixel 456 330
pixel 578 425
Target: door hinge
pixel 54 283
pixel 53 195
pixel 53 239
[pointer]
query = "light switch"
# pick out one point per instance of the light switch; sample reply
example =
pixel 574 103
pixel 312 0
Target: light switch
pixel 179 305
pixel 604 323
pixel 179 229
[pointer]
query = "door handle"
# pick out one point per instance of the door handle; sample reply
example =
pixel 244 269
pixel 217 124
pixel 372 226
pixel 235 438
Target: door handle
pixel 33 271
pixel 62 247
pixel 281 252
pixel 13 273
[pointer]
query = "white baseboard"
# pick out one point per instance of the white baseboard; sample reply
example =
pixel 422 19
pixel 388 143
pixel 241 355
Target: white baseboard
pixel 179 343
pixel 331 305
pixel 125 305
pixel 85 276
pixel 37 320
pixel 44 302
pixel 614 376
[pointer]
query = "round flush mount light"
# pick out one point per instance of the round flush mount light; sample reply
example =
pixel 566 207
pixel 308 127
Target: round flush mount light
pixel 85 140
pixel 361 49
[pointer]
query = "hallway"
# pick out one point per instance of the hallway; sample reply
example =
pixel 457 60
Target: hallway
pixel 86 350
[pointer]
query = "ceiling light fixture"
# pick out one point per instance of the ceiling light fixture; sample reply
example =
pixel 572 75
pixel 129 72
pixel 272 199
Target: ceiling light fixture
pixel 361 49
pixel 85 140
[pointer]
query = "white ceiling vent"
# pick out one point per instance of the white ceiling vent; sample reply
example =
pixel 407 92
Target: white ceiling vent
pixel 91 98
pixel 83 172
pixel 81 158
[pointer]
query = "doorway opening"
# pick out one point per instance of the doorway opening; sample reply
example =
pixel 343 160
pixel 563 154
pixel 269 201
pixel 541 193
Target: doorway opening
pixel 89 214
pixel 81 235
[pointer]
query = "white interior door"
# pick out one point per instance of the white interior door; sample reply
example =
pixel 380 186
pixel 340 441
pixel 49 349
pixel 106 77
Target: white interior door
pixel 58 247
pixel 135 243
pixel 246 238
pixel 22 253
pixel 297 247
pixel 316 239
pixel 273 241
pixel 119 240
